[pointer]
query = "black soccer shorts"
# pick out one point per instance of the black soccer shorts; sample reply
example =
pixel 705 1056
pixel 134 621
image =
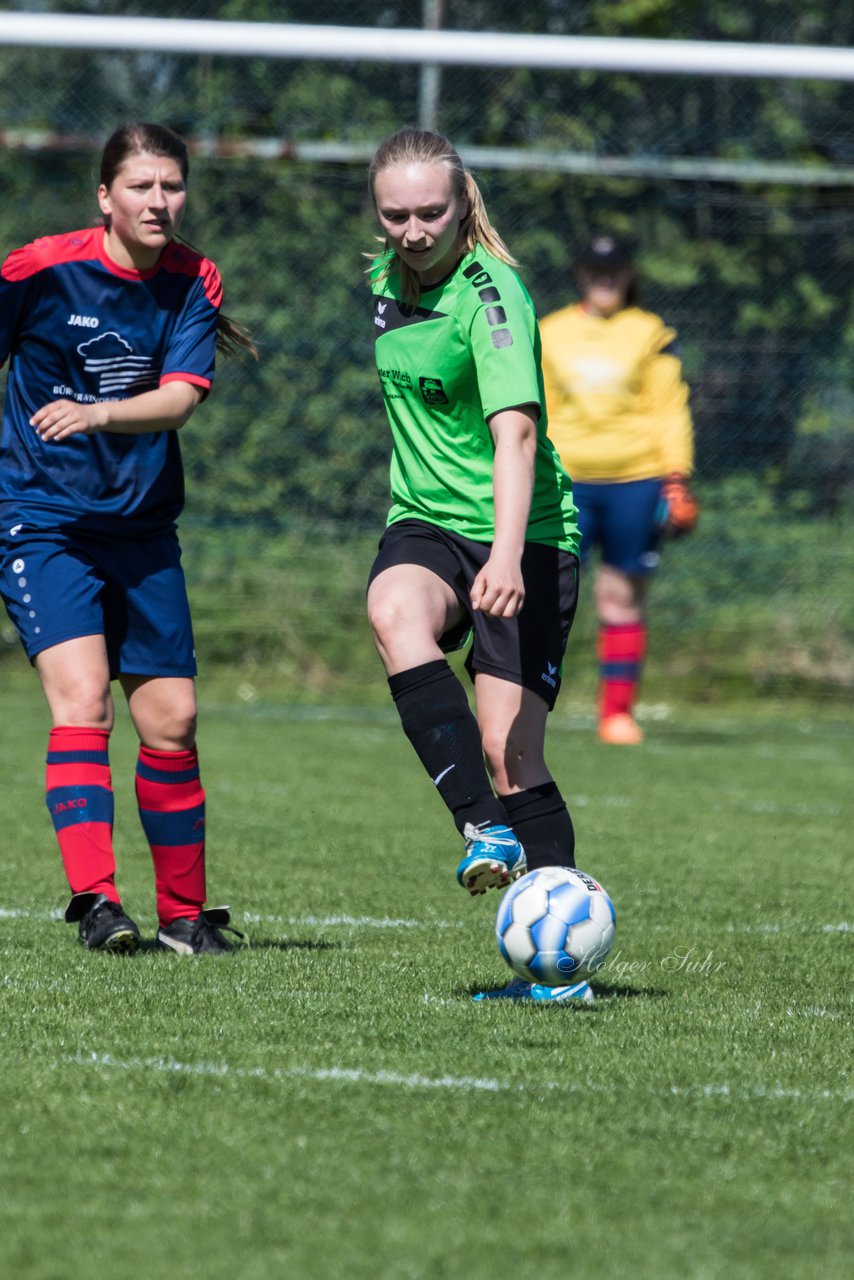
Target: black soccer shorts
pixel 526 650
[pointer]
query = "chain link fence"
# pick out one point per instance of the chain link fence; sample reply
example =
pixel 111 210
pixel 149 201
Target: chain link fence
pixel 736 192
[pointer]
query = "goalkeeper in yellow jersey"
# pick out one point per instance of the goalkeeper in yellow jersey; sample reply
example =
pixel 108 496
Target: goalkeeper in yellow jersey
pixel 618 415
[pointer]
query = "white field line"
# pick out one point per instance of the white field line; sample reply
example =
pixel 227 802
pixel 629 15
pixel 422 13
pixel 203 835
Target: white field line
pixel 808 1011
pixel 250 917
pixel 794 926
pixel 737 804
pixel 343 1075
pixel 352 922
pixel 351 1075
pixel 813 1011
pixel 800 810
pixel 759 1091
pixel 22 913
pixel 393 922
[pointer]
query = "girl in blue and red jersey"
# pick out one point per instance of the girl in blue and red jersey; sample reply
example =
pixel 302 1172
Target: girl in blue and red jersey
pixel 111 334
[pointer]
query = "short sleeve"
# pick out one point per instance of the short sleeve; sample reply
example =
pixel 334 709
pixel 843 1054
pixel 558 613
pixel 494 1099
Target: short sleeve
pixel 191 354
pixel 13 293
pixel 504 345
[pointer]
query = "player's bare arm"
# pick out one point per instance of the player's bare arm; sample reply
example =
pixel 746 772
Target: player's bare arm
pixel 498 589
pixel 166 409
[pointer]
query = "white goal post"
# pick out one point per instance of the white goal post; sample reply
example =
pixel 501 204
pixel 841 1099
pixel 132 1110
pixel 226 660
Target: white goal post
pixel 432 48
pixel 445 48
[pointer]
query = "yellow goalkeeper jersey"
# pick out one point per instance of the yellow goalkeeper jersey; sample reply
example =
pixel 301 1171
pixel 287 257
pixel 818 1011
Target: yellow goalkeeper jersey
pixel 617 402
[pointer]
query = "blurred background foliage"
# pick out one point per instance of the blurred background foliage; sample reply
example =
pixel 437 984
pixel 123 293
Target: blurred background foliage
pixel 287 462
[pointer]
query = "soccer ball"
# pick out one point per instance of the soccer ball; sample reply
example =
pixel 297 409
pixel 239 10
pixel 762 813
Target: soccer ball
pixel 555 925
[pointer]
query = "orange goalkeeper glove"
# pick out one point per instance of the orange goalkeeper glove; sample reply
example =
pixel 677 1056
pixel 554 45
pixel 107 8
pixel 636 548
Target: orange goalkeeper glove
pixel 682 510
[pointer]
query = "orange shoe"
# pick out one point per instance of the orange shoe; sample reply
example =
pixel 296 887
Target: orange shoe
pixel 620 731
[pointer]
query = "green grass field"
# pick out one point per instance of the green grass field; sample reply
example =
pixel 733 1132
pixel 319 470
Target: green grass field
pixel 330 1103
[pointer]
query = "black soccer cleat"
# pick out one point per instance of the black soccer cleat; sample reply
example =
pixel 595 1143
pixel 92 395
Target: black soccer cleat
pixel 103 925
pixel 203 936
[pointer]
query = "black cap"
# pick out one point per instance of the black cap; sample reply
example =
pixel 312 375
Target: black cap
pixel 604 253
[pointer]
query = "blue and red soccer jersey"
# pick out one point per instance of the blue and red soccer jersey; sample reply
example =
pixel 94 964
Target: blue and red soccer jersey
pixel 76 326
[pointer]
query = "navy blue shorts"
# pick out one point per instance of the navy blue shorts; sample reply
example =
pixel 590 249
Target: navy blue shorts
pixel 526 650
pixel 623 521
pixel 60 586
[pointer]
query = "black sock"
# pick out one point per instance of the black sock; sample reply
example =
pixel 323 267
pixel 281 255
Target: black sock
pixel 438 721
pixel 541 821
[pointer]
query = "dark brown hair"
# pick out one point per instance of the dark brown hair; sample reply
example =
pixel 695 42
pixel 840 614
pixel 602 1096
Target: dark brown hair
pixel 133 140
pixel 158 140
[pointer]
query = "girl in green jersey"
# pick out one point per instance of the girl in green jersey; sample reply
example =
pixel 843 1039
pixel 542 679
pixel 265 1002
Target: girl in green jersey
pixel 482 536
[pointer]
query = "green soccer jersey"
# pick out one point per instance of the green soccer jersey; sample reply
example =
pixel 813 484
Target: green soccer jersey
pixel 469 349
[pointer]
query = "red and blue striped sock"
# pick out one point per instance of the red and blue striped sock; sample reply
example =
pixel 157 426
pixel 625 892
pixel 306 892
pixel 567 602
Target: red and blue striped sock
pixel 172 810
pixel 80 801
pixel 621 651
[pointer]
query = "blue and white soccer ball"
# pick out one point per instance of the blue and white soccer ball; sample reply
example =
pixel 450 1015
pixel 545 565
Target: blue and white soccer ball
pixel 555 925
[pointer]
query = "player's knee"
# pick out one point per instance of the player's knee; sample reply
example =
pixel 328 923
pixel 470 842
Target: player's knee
pixel 168 724
pixel 501 751
pixel 513 759
pixel 619 596
pixel 608 596
pixel 388 616
pixel 181 727
pixel 87 703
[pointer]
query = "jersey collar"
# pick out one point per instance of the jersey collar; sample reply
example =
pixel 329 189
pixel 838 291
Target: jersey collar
pixel 126 273
pixel 439 283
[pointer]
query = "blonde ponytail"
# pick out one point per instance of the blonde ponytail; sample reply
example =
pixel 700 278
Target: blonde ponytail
pixel 476 229
pixel 421 146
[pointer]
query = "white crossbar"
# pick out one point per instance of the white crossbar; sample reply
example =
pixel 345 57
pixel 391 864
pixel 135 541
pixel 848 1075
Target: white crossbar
pixel 466 48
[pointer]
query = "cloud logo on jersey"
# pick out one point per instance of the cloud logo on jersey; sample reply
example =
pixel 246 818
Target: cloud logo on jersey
pixel 432 391
pixel 111 358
